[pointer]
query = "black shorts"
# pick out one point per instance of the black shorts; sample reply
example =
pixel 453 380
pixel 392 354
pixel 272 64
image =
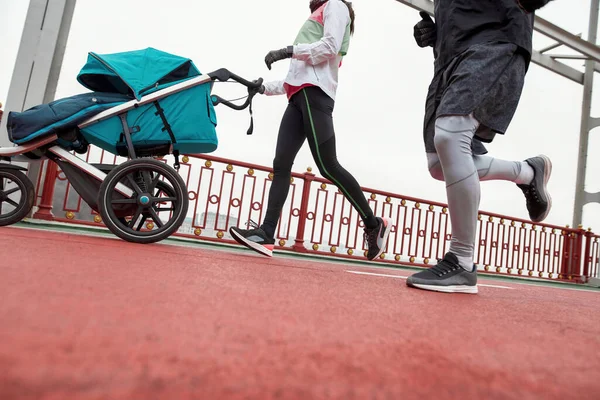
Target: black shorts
pixel 486 80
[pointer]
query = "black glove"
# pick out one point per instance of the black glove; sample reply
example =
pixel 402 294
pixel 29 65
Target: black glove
pixel 425 31
pixel 278 55
pixel 532 5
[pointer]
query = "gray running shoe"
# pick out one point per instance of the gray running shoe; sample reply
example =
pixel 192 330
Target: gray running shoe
pixel 447 276
pixel 536 194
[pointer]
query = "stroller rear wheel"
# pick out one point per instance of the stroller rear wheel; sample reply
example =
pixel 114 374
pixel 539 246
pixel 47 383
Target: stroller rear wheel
pixel 158 206
pixel 16 196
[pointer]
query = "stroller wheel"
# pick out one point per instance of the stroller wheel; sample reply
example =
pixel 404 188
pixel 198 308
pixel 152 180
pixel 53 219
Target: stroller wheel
pixel 158 206
pixel 16 196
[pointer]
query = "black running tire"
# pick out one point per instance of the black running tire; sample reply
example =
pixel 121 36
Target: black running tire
pixel 27 196
pixel 115 224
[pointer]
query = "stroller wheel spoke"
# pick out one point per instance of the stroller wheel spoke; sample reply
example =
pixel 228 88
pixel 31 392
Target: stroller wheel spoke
pixel 135 217
pixel 134 184
pixel 166 199
pixel 141 224
pixel 156 218
pixel 153 185
pixel 124 201
pixel 12 203
pixel 11 191
pixel 165 209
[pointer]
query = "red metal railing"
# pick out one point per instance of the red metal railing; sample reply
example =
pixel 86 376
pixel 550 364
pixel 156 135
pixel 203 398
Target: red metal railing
pixel 591 264
pixel 318 219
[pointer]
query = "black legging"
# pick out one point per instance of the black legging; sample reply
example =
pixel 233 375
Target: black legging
pixel 309 116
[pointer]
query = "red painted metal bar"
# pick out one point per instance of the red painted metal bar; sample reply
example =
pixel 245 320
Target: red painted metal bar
pixel 44 211
pixel 303 215
pixel 594 256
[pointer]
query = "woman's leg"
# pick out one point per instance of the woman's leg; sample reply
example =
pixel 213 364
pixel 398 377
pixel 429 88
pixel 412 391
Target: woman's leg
pixel 317 110
pixel 290 140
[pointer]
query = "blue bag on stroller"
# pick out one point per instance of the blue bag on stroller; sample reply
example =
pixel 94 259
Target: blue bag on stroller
pixel 59 115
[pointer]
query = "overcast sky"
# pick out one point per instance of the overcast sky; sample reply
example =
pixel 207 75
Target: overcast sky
pixel 380 103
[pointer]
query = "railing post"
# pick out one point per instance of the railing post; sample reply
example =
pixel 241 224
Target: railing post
pixel 298 246
pixel 578 256
pixel 587 256
pixel 45 207
pixel 572 254
pixel 565 268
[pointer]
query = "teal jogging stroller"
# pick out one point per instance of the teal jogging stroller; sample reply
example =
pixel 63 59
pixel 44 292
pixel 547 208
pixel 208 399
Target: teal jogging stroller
pixel 143 104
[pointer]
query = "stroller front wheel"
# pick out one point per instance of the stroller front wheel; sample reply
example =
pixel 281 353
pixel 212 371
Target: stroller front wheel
pixel 156 209
pixel 17 195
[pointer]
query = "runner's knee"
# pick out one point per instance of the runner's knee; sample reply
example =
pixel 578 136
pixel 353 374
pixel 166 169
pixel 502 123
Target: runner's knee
pixel 434 166
pixel 282 166
pixel 455 132
pixel 328 167
pixel 444 139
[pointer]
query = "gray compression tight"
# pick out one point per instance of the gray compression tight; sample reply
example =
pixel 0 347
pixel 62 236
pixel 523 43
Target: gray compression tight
pixel 455 164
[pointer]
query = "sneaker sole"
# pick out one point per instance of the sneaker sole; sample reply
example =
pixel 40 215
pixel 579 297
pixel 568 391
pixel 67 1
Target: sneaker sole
pixel 547 173
pixel 447 289
pixel 259 248
pixel 386 233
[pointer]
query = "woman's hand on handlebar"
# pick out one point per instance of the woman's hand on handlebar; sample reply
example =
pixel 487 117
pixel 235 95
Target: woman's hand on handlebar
pixel 257 90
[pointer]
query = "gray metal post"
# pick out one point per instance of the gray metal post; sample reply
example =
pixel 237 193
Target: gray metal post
pixel 587 124
pixel 39 61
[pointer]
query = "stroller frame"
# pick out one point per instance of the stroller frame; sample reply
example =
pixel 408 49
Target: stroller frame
pixel 124 193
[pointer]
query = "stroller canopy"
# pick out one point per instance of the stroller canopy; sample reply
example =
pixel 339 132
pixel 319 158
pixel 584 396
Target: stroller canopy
pixel 135 73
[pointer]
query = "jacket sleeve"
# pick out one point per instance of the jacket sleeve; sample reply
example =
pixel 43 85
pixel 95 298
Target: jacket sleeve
pixel 336 18
pixel 274 88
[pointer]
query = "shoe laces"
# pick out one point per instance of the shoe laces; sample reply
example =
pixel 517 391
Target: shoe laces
pixel 532 191
pixel 444 267
pixel 370 236
pixel 532 195
pixel 252 224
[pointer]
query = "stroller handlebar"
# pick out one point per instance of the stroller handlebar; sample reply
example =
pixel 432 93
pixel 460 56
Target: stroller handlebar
pixel 253 88
pixel 224 75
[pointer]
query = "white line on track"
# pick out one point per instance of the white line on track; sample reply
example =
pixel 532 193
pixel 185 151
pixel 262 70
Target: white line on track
pixel 404 277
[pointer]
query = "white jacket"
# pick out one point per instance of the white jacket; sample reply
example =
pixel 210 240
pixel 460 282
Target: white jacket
pixel 318 51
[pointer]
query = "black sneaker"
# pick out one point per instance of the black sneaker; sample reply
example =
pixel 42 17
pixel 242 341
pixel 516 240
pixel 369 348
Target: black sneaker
pixel 538 199
pixel 255 239
pixel 376 238
pixel 447 276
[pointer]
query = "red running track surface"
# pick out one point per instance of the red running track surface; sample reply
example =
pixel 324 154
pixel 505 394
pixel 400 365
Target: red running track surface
pixel 97 318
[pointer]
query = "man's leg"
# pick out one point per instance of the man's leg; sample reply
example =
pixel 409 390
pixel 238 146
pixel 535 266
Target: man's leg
pixel 290 140
pixel 317 109
pixel 531 176
pixel 453 137
pixel 455 273
pixel 489 169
